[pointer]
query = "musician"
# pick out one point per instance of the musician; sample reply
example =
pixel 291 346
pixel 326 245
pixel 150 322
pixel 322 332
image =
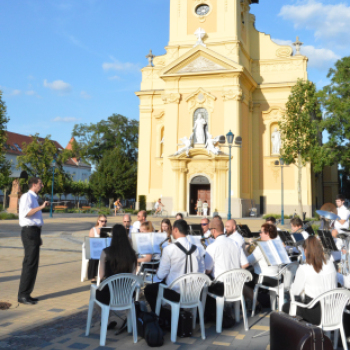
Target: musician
pixel 222 255
pixel 272 221
pixel 95 233
pixel 141 217
pixel 343 222
pixel 205 227
pixel 173 264
pixel 127 224
pixel 313 278
pixel 257 260
pixel 232 233
pixel 165 226
pixel 145 227
pixel 297 227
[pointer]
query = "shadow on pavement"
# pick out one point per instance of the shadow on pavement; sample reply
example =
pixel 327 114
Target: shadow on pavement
pixel 65 292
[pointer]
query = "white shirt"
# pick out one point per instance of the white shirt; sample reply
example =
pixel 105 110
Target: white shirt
pixel 257 260
pixel 222 255
pixel 205 205
pixel 313 284
pixel 157 205
pixel 173 262
pixel 28 202
pixel 344 214
pixel 135 227
pixel 235 236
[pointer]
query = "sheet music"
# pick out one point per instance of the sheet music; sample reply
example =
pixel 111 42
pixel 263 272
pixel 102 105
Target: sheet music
pixel 142 243
pixel 158 238
pixel 282 254
pixel 267 252
pixel 96 247
pixel 274 252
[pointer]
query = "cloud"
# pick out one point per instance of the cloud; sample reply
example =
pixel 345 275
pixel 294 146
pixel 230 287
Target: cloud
pixel 58 85
pixel 120 66
pixel 115 77
pixel 85 95
pixel 283 42
pixel 30 93
pixel 329 22
pixel 15 92
pixel 66 119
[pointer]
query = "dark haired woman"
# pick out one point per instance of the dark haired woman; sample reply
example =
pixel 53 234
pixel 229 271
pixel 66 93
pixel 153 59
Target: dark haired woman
pixel 119 257
pixel 315 277
pixel 257 260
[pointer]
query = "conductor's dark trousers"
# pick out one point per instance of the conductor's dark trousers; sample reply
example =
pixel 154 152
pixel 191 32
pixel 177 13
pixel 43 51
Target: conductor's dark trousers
pixel 31 242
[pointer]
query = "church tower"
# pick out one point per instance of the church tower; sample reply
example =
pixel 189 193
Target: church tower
pixel 218 74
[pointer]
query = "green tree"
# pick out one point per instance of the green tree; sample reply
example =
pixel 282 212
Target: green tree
pixel 80 189
pixel 335 99
pixel 115 176
pixel 5 166
pixel 37 160
pixel 301 129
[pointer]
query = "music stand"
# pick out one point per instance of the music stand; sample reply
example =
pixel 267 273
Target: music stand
pixel 286 238
pixel 196 230
pixel 105 232
pixel 327 240
pixel 246 233
pixel 299 238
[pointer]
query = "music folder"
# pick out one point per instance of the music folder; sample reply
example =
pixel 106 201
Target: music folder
pixel 327 240
pixel 274 252
pixel 95 245
pixel 148 243
pixel 299 238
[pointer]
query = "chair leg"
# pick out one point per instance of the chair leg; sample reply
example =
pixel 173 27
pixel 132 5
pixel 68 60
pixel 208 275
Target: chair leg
pixel 201 319
pixel 220 304
pixel 158 306
pixel 89 317
pixel 194 318
pixel 129 321
pixel 134 324
pixel 255 298
pixel 273 297
pixel 343 338
pixel 335 339
pixel 104 325
pixel 237 311
pixel 245 318
pixel 175 313
pixel 280 299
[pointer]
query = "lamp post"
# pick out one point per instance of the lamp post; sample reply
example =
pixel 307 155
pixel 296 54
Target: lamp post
pixel 341 182
pixel 53 165
pixel 238 143
pixel 281 165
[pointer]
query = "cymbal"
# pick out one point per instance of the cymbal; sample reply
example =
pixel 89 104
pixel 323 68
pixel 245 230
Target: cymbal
pixel 327 215
pixel 329 207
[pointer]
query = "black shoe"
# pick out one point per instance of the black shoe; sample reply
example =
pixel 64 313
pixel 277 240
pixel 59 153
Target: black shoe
pixel 26 301
pixel 33 299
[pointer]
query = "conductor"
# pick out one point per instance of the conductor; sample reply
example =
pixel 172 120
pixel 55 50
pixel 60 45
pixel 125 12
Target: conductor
pixel 31 221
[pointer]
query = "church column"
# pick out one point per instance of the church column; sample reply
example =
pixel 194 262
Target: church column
pixel 221 172
pixel 256 149
pixel 182 187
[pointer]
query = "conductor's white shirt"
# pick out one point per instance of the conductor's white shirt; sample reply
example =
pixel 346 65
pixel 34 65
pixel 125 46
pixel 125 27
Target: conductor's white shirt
pixel 173 262
pixel 344 214
pixel 223 255
pixel 27 202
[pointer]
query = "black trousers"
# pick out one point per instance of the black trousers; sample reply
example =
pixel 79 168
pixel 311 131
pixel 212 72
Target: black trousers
pixel 31 242
pixel 151 293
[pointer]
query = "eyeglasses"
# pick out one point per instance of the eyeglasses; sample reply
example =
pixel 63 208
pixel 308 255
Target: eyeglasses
pixel 103 220
pixel 204 224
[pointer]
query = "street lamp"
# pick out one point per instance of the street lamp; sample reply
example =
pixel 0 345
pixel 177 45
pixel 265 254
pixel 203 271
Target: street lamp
pixel 238 143
pixel 341 182
pixel 53 165
pixel 281 164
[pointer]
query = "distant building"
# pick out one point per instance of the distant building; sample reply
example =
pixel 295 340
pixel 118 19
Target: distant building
pixel 77 169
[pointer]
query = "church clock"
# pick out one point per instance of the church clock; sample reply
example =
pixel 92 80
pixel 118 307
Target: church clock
pixel 202 10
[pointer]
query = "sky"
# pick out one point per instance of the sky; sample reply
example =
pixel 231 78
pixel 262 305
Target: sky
pixel 64 62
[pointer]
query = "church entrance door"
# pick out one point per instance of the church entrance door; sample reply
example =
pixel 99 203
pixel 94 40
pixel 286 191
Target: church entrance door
pixel 199 189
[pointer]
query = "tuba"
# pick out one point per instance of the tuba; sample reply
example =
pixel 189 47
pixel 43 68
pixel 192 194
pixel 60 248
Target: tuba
pixel 253 245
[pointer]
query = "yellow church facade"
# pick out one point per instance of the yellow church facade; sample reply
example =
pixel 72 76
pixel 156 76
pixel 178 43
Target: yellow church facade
pixel 218 74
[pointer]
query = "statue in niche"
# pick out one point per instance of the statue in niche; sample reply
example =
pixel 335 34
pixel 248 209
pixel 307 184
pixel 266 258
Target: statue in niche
pixel 211 144
pixel 187 143
pixel 200 129
pixel 276 141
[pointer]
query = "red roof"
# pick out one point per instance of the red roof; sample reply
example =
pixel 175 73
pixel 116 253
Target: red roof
pixel 14 145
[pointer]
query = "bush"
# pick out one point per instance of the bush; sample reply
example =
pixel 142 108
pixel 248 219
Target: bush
pixel 315 228
pixel 8 216
pixel 276 216
pixel 104 211
pixel 1 209
pixel 142 202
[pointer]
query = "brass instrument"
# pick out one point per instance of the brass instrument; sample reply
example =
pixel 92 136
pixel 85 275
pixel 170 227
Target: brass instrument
pixel 161 244
pixel 253 245
pixel 203 242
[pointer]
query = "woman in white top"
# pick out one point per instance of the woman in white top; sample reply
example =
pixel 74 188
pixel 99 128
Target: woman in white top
pixel 312 279
pixel 95 233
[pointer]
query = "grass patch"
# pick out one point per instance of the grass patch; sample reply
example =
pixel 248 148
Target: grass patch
pixel 8 216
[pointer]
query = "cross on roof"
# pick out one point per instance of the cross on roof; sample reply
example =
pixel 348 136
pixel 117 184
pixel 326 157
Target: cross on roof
pixel 200 34
pixel 298 45
pixel 150 57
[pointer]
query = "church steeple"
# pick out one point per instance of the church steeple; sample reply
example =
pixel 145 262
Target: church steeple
pixel 222 20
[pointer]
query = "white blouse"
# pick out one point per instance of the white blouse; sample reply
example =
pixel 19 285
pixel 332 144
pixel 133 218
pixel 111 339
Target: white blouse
pixel 257 260
pixel 313 284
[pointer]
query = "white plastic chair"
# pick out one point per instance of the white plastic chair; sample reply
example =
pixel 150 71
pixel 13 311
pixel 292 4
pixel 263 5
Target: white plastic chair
pixel 84 265
pixel 233 292
pixel 193 294
pixel 333 305
pixel 121 289
pixel 289 271
pixel 148 274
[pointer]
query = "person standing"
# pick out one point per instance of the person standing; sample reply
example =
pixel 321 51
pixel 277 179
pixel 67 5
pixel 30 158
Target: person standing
pixel 31 221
